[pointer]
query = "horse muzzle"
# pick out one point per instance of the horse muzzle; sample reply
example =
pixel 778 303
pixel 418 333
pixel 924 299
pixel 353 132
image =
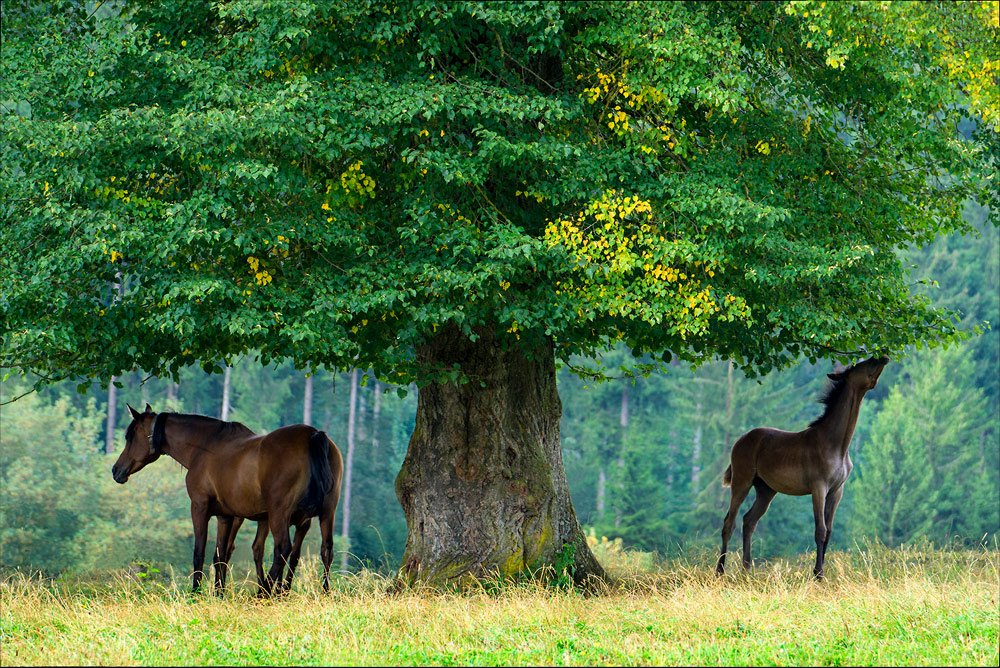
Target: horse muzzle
pixel 119 474
pixel 882 362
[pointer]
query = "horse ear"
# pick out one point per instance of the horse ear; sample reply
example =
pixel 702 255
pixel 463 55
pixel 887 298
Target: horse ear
pixel 135 414
pixel 835 376
pixel 149 409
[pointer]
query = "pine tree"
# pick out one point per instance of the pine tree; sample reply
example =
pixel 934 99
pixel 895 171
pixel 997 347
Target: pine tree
pixel 922 474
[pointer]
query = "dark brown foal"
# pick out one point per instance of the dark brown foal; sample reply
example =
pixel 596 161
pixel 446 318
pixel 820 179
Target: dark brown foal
pixel 813 461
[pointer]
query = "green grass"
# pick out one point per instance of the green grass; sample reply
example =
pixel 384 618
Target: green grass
pixel 878 606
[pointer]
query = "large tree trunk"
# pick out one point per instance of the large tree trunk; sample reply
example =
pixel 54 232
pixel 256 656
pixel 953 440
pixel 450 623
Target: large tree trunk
pixel 483 486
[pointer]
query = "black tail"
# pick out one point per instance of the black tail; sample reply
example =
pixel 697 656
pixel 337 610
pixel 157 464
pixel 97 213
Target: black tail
pixel 320 474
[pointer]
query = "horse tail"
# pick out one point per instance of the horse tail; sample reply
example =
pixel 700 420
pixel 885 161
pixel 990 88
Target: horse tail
pixel 727 477
pixel 320 473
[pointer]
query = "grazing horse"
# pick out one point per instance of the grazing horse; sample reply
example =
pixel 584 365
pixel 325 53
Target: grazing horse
pixel 279 479
pixel 812 461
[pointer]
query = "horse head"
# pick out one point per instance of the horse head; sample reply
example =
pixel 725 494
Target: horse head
pixel 863 375
pixel 140 448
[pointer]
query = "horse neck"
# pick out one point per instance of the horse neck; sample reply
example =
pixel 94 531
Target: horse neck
pixel 183 440
pixel 840 420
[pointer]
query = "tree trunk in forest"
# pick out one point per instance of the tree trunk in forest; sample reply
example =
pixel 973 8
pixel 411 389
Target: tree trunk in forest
pixel 623 422
pixel 602 481
pixel 376 409
pixel 307 401
pixel 226 383
pixel 696 448
pixel 727 435
pixel 352 414
pixel 483 486
pixel 109 432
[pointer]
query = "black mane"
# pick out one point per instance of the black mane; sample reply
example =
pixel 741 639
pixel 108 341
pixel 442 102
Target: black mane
pixel 834 393
pixel 223 429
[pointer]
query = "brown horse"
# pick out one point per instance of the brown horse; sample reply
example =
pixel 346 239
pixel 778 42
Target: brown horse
pixel 279 479
pixel 813 461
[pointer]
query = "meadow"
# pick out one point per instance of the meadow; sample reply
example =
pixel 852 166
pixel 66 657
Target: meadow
pixel 906 606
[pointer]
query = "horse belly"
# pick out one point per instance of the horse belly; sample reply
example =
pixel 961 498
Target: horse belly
pixel 240 509
pixel 785 484
pixel 238 492
pixel 783 474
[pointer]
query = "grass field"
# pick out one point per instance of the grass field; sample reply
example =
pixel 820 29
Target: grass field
pixel 878 606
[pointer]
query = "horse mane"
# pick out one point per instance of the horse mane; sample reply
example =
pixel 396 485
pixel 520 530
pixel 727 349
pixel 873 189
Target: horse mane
pixel 222 429
pixel 833 395
pixel 130 432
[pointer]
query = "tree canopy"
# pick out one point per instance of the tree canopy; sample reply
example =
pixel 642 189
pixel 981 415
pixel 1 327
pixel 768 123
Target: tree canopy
pixel 333 182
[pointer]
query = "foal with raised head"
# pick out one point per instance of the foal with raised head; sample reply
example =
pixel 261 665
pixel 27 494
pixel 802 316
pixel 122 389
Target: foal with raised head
pixel 812 461
pixel 279 479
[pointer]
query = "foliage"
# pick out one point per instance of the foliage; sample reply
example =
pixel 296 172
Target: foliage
pixel 616 559
pixel 58 509
pixel 330 183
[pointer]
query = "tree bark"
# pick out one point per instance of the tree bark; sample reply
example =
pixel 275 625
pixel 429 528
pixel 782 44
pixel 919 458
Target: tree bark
pixel 483 486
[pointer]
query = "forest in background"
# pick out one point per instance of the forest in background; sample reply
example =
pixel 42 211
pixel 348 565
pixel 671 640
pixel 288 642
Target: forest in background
pixel 644 456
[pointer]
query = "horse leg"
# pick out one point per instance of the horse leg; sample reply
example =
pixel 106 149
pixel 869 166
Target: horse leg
pixel 278 524
pixel 231 543
pixel 326 543
pixel 763 499
pixel 832 500
pixel 223 531
pixel 293 560
pixel 227 554
pixel 258 553
pixel 199 518
pixel 819 504
pixel 740 487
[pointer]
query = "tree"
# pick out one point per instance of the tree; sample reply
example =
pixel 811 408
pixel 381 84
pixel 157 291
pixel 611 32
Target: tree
pixel 922 473
pixel 55 506
pixel 461 194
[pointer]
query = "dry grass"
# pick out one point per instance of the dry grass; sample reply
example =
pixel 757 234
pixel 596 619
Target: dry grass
pixel 879 606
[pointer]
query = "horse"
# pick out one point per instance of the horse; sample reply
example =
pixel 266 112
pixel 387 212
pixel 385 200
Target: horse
pixel 812 461
pixel 279 479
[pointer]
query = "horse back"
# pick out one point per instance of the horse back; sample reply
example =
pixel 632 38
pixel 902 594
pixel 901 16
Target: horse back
pixel 778 457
